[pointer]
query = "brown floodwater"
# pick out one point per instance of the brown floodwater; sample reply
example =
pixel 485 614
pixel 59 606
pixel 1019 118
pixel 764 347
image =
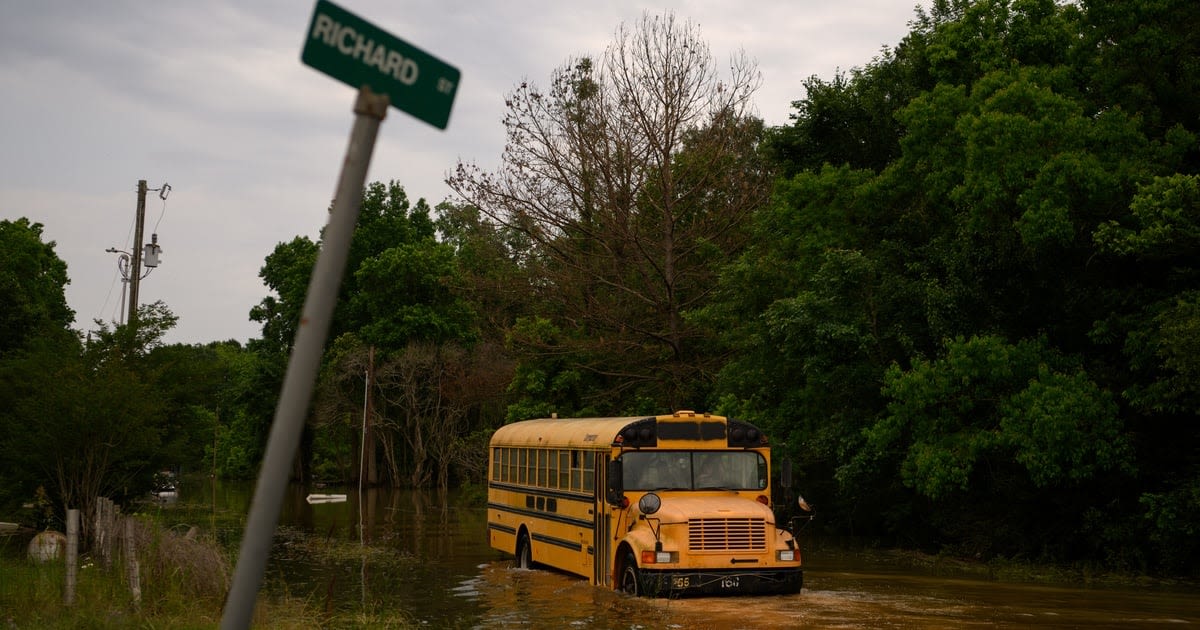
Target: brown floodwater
pixel 427 558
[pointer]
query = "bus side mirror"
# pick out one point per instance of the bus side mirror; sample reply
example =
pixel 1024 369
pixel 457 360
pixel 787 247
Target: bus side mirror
pixel 616 483
pixel 785 473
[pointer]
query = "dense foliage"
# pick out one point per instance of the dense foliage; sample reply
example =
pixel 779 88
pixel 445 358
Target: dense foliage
pixel 960 289
pixel 32 283
pixel 405 355
pixel 975 334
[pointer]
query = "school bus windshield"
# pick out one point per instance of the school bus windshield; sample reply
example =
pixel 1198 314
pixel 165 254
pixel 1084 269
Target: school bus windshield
pixel 694 470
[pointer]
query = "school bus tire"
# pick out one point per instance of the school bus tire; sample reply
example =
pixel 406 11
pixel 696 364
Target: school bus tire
pixel 631 583
pixel 524 552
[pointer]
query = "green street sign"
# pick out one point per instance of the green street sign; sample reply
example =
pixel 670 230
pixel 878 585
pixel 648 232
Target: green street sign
pixel 357 53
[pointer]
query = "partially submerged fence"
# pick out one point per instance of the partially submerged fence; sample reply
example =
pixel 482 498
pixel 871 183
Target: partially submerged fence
pixel 144 553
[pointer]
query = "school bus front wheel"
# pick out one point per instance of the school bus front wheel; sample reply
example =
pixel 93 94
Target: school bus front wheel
pixel 630 578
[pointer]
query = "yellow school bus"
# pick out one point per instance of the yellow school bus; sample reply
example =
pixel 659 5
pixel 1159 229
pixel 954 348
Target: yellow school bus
pixel 670 505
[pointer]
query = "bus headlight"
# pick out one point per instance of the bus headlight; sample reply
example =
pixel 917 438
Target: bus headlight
pixel 786 555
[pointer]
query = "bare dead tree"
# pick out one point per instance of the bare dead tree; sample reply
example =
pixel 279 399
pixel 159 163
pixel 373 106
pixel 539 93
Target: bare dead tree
pixel 474 388
pixel 632 178
pixel 406 382
pixel 338 403
pixel 432 393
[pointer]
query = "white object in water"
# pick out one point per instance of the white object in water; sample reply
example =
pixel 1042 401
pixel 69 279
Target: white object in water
pixel 326 498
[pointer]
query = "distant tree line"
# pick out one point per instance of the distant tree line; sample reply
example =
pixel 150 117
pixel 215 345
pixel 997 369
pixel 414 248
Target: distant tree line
pixel 960 289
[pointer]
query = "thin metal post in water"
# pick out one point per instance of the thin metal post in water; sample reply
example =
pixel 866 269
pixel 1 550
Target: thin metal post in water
pixel 369 109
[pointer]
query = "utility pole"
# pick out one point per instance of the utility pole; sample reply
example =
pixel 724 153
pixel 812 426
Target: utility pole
pixel 136 272
pixel 130 264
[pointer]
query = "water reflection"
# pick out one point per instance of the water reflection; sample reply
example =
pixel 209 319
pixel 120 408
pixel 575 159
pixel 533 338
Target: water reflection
pixel 425 558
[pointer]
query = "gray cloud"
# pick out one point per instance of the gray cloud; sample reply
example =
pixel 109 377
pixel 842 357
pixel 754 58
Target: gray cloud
pixel 212 98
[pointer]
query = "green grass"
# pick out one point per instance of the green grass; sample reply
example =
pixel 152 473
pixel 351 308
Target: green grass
pixel 183 580
pixel 31 596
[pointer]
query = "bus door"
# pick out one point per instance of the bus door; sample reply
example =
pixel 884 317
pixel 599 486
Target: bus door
pixel 602 524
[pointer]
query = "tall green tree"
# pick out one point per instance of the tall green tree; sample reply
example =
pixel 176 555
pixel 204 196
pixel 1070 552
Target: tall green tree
pixel 195 381
pixel 405 294
pixel 1147 61
pixel 286 272
pixel 252 392
pixel 991 321
pixel 1158 331
pixel 386 220
pixel 34 328
pixel 402 289
pixel 33 279
pixel 489 271
pixel 990 423
pixel 86 421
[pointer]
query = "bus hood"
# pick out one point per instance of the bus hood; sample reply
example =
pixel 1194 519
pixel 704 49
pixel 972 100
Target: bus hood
pixel 679 509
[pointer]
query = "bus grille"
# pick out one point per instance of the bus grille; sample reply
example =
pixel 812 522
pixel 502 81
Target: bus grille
pixel 732 534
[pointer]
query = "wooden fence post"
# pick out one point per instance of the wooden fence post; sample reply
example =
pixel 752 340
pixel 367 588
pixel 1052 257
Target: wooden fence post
pixel 72 555
pixel 104 531
pixel 98 532
pixel 131 562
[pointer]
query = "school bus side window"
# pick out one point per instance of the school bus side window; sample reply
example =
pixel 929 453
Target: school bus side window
pixel 564 469
pixel 541 467
pixel 589 473
pixel 576 471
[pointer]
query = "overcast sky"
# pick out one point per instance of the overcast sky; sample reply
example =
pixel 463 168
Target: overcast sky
pixel 212 98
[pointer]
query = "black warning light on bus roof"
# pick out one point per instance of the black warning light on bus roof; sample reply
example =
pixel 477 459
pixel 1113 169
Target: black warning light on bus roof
pixel 638 434
pixel 745 435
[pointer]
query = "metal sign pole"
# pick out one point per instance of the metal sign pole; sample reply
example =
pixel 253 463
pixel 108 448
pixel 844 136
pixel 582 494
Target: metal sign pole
pixel 369 109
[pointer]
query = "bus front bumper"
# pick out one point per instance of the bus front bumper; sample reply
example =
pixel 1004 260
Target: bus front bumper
pixel 673 583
